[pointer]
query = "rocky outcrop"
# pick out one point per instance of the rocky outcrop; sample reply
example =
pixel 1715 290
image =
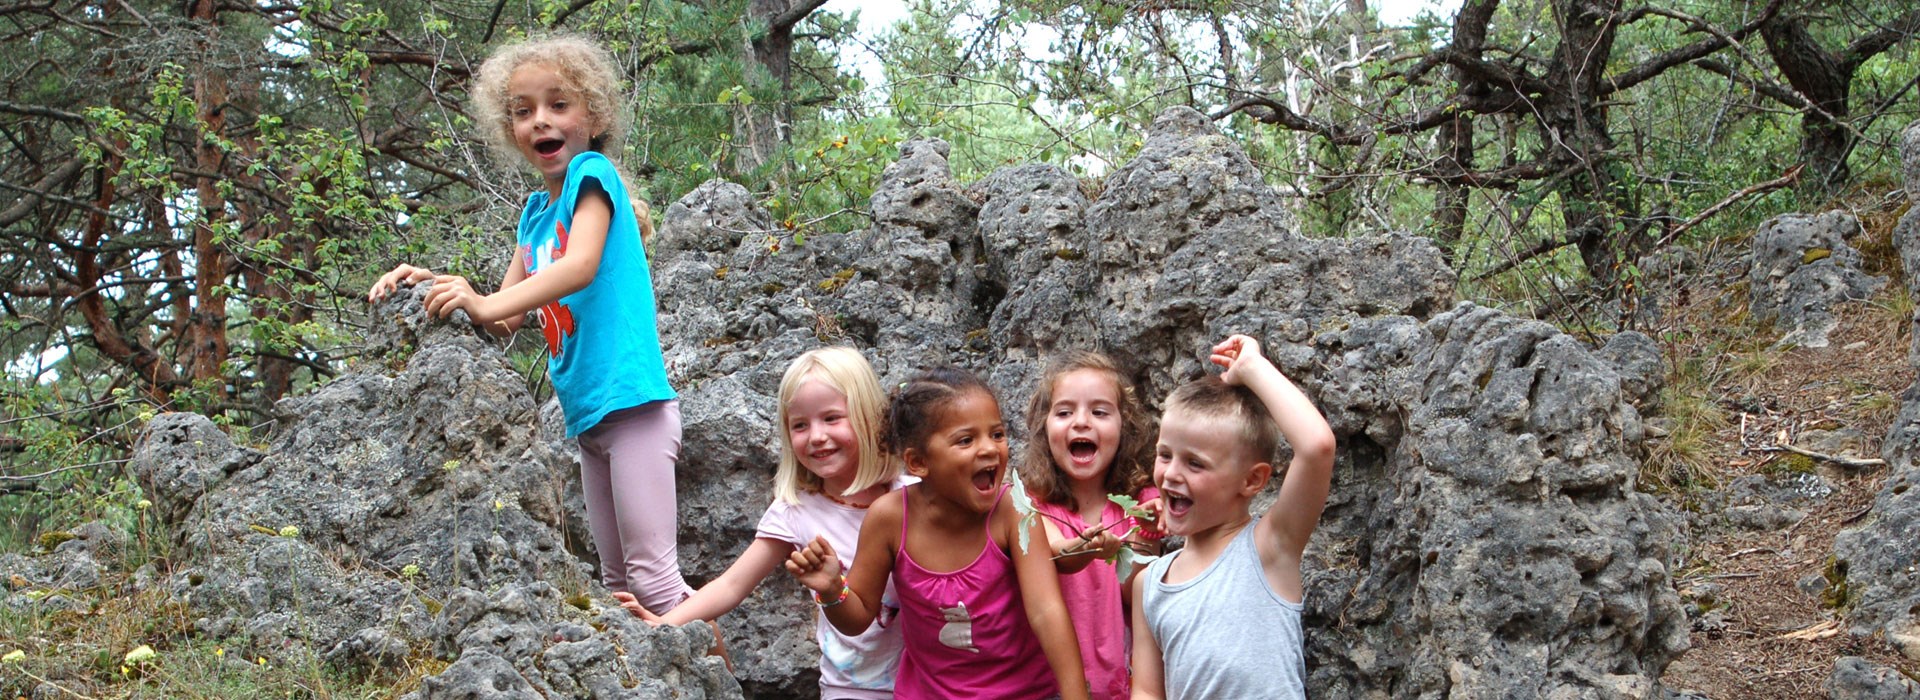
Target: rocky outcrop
pixel 1855 678
pixel 410 506
pixel 1484 537
pixel 1802 268
pixel 1875 561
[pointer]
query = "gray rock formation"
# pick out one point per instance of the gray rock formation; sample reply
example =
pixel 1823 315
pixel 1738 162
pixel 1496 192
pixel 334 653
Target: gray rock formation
pixel 410 504
pixel 1802 268
pixel 1643 371
pixel 40 585
pixel 1875 562
pixel 1855 678
pixel 1484 537
pixel 1906 240
pixel 1877 559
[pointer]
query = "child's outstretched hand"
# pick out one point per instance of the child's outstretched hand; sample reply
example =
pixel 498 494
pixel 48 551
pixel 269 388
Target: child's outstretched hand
pixel 1240 355
pixel 816 566
pixel 455 292
pixel 1103 544
pixel 632 604
pixel 402 276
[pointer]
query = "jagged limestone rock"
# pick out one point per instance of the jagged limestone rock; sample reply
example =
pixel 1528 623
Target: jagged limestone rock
pixel 1855 678
pixel 1906 240
pixel 1877 558
pixel 1483 537
pixel 385 499
pixel 1802 267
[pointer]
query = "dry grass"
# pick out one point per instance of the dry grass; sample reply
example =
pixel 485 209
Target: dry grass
pixel 83 653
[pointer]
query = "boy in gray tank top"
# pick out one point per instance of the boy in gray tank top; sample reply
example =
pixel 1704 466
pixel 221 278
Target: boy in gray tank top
pixel 1221 618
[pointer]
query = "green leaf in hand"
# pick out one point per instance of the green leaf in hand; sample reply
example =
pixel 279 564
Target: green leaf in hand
pixel 1023 505
pixel 1131 506
pixel 1126 559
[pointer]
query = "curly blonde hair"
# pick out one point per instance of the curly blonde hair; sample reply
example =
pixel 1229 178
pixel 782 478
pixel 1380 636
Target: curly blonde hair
pixel 583 66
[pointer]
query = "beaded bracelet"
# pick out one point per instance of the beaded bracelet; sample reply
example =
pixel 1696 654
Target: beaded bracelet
pixel 845 591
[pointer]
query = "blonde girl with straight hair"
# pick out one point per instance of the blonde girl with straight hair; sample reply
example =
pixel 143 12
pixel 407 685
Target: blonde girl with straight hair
pixel 832 468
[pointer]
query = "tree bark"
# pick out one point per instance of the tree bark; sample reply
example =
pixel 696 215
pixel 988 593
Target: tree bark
pixel 1824 78
pixel 1600 213
pixel 206 344
pixel 760 128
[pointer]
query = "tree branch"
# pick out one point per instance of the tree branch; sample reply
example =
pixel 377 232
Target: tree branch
pixel 1786 180
pixel 1779 93
pixel 1879 40
pixel 1652 67
pixel 27 110
pixel 785 20
pixel 58 177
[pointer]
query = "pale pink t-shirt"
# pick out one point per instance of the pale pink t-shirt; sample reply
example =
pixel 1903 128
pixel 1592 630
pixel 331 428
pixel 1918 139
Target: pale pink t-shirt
pixel 858 668
pixel 1093 601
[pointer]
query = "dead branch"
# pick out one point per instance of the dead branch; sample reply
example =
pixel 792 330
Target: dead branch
pixel 1848 462
pixel 1787 180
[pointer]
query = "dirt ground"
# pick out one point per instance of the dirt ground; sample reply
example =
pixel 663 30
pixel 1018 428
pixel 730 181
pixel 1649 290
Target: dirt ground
pixel 1771 638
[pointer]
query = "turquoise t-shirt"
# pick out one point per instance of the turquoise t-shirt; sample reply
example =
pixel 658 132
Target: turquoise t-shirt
pixel 603 348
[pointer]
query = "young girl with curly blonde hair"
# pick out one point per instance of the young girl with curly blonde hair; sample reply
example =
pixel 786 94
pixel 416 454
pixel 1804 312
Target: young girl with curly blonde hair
pixel 554 102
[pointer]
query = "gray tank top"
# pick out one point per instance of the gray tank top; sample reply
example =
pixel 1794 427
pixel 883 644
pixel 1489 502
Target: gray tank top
pixel 1225 633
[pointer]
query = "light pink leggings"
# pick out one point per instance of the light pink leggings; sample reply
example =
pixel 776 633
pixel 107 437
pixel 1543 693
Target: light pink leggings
pixel 626 469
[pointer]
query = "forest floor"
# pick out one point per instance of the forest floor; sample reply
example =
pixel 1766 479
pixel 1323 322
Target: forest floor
pixel 1762 627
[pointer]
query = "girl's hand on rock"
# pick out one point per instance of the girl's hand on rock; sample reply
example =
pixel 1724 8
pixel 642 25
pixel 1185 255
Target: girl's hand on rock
pixel 402 276
pixel 633 605
pixel 455 292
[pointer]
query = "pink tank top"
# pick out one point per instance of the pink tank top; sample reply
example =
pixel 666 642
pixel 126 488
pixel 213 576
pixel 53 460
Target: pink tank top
pixel 966 632
pixel 1093 600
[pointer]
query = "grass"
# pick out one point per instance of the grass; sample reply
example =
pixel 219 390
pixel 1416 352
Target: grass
pixel 81 650
pixel 1683 461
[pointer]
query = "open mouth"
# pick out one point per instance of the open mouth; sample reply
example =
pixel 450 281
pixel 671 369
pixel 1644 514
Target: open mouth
pixel 548 147
pixel 1082 449
pixel 985 479
pixel 1177 505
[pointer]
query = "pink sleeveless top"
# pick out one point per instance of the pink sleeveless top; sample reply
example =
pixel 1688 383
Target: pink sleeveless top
pixel 966 632
pixel 1093 600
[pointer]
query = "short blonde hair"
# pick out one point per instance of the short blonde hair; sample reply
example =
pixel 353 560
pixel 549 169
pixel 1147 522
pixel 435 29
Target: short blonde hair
pixel 845 370
pixel 1255 432
pixel 583 66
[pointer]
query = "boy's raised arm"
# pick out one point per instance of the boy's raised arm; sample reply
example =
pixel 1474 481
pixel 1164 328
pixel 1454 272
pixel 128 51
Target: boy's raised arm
pixel 1303 492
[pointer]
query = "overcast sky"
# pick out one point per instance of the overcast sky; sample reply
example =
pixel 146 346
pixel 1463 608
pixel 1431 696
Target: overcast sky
pixel 878 14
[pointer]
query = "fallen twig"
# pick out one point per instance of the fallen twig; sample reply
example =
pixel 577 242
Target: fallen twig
pixel 1818 630
pixel 1848 462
